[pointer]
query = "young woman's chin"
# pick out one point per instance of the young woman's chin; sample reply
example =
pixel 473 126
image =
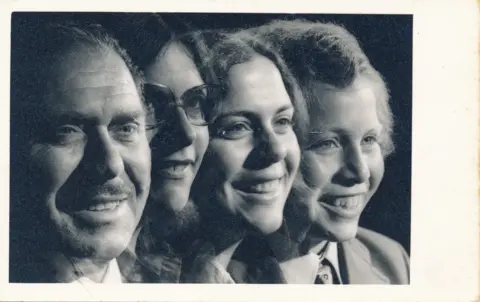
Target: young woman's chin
pixel 265 224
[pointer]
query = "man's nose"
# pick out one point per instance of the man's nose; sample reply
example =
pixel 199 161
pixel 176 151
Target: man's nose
pixel 106 156
pixel 355 167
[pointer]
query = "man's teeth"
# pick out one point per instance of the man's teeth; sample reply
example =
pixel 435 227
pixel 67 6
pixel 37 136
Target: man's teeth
pixel 267 186
pixel 348 202
pixel 104 206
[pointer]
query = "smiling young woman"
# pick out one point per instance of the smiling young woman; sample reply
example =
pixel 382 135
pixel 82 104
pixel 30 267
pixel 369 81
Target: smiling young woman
pixel 254 152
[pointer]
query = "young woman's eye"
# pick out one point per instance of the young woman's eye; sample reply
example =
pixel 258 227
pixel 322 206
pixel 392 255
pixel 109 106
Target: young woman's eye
pixel 283 124
pixel 235 131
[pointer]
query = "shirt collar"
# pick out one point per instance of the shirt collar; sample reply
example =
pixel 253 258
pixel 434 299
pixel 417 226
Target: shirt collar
pixel 303 270
pixel 112 275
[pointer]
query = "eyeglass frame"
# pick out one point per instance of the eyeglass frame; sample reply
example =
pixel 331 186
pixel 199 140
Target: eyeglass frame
pixel 173 101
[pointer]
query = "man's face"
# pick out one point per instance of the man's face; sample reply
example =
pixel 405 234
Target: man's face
pixel 91 158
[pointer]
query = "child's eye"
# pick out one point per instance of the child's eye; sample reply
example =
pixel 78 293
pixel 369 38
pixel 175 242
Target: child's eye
pixel 370 139
pixel 324 145
pixel 235 131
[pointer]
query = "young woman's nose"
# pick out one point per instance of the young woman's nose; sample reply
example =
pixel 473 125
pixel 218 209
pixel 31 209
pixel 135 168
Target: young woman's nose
pixel 272 148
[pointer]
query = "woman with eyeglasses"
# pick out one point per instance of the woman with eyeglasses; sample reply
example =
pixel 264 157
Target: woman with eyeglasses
pixel 175 93
pixel 250 163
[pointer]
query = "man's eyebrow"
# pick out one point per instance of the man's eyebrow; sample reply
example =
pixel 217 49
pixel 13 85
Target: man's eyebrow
pixel 77 118
pixel 72 117
pixel 128 116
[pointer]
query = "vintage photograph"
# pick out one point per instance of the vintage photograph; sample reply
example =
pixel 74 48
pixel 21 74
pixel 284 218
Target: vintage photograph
pixel 189 148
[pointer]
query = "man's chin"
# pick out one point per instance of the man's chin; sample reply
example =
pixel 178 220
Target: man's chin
pixel 103 245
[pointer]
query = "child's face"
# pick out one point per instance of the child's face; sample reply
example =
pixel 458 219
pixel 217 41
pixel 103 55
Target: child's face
pixel 344 161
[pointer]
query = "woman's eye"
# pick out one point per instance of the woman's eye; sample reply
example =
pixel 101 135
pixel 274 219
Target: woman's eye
pixel 195 114
pixel 283 124
pixel 235 131
pixel 194 100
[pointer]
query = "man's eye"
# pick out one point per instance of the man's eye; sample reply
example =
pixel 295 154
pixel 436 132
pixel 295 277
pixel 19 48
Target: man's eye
pixel 235 131
pixel 63 130
pixel 67 133
pixel 126 132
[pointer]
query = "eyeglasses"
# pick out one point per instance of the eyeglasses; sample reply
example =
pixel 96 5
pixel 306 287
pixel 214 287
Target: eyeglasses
pixel 193 102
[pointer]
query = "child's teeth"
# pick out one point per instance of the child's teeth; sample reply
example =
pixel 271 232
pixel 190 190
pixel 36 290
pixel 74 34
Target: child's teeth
pixel 348 202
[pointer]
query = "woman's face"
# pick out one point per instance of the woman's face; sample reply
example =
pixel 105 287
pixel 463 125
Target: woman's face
pixel 253 153
pixel 343 162
pixel 177 146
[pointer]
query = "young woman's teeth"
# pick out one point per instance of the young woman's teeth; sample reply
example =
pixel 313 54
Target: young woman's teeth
pixel 264 187
pixel 104 206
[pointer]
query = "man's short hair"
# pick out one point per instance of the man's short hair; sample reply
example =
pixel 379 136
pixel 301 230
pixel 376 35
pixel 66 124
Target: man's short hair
pixel 37 49
pixel 327 53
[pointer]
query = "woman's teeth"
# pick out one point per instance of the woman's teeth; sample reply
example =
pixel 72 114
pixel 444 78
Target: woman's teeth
pixel 264 187
pixel 104 206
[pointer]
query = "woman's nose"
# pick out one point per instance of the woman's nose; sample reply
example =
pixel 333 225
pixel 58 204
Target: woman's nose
pixel 185 131
pixel 272 148
pixel 175 132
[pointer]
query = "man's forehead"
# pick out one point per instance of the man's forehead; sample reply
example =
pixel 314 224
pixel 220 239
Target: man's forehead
pixel 96 78
pixel 91 67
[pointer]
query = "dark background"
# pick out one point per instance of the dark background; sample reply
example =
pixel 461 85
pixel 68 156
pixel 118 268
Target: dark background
pixel 387 41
